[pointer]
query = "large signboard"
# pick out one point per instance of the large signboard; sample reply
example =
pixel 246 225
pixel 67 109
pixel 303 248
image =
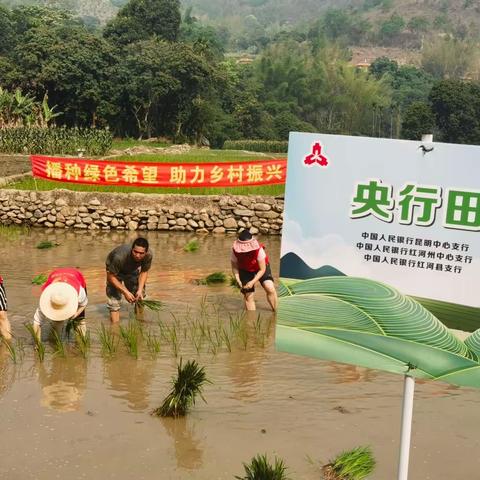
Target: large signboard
pixel 148 174
pixel 381 255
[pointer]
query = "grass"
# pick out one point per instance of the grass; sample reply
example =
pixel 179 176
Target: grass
pixel 355 464
pixel 194 156
pixel 153 344
pixel 186 386
pixel 260 468
pixel 39 279
pixel 83 342
pixel 130 335
pixel 191 246
pixel 12 351
pixel 58 345
pixel 108 340
pixel 39 346
pixel 45 244
pixel 12 232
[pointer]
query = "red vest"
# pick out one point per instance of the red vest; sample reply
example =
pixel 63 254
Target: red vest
pixel 68 275
pixel 248 261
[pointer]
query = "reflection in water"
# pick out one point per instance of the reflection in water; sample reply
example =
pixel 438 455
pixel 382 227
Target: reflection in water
pixel 7 370
pixel 344 373
pixel 245 363
pixel 63 383
pixel 188 451
pixel 130 380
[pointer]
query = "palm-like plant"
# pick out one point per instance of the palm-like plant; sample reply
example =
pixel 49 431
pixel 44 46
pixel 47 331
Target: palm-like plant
pixel 189 383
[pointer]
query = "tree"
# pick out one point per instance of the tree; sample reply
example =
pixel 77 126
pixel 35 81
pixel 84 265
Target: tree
pixel 418 119
pixel 391 28
pixel 67 62
pixel 456 106
pixel 449 58
pixel 158 82
pixel 142 19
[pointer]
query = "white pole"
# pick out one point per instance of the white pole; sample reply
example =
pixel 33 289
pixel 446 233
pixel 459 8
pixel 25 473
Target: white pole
pixel 407 414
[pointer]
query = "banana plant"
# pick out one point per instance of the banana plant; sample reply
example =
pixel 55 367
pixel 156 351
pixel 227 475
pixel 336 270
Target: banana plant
pixel 367 323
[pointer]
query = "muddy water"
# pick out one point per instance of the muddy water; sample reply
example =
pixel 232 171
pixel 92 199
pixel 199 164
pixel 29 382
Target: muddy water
pixel 75 418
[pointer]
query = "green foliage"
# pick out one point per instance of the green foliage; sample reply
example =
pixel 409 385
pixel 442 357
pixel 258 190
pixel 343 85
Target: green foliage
pixel 418 119
pixel 108 340
pixel 143 19
pixel 269 146
pixel 191 246
pixel 260 468
pixel 355 464
pixel 38 345
pixel 456 106
pixel 39 279
pixel 449 58
pixel 391 28
pixel 129 335
pixel 45 245
pixel 55 140
pixel 150 304
pixel 215 277
pixel 189 383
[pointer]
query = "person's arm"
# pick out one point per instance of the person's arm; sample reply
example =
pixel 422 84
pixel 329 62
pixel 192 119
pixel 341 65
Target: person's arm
pixel 142 280
pixel 263 266
pixel 113 280
pixel 82 303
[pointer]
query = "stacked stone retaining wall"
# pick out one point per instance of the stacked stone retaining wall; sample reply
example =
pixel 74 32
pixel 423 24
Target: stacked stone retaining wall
pixel 136 211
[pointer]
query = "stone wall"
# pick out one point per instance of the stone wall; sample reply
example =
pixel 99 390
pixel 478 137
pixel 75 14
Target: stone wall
pixel 136 211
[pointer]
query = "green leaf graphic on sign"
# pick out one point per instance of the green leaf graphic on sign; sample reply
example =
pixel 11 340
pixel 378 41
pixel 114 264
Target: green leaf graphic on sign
pixel 367 323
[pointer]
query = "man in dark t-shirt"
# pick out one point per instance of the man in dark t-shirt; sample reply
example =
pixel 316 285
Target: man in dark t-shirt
pixel 127 271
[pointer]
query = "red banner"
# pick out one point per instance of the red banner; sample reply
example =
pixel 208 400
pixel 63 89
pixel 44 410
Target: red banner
pixel 146 174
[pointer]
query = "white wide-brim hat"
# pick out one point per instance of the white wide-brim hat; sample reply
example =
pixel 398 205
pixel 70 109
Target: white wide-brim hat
pixel 59 301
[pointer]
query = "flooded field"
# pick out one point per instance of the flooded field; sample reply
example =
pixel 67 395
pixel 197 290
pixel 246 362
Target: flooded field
pixel 77 417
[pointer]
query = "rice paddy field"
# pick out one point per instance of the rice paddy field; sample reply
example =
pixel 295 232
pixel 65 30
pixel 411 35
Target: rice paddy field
pixel 83 410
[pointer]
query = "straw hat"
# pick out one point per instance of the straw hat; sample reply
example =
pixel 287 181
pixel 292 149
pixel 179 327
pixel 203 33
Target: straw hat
pixel 59 301
pixel 245 243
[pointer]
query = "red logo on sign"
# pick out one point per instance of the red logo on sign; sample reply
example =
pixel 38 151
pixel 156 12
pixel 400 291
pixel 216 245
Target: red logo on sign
pixel 316 156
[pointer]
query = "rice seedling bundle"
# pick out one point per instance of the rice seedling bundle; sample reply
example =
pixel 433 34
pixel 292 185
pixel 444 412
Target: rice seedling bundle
pixel 354 464
pixel 151 304
pixel 191 246
pixel 185 387
pixel 260 468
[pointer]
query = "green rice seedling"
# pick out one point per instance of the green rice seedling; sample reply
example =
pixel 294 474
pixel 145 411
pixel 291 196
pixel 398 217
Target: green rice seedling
pixel 226 338
pixel 58 345
pixel 12 351
pixel 260 468
pixel 189 383
pixel 45 244
pixel 12 232
pixel 37 342
pixel 108 341
pixel 233 283
pixel 72 325
pixel 129 336
pixel 354 464
pixel 154 305
pixel 191 246
pixel 39 279
pixel 83 341
pixel 173 337
pixel 153 344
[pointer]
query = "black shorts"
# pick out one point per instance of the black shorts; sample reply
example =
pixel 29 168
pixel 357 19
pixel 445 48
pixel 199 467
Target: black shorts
pixel 246 276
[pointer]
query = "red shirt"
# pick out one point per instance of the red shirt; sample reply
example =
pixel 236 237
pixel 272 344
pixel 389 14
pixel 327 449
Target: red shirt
pixel 68 275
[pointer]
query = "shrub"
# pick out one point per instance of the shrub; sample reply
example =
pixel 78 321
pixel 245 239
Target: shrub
pixel 269 146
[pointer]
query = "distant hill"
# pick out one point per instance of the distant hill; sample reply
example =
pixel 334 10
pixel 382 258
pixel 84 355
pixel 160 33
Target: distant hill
pixel 292 266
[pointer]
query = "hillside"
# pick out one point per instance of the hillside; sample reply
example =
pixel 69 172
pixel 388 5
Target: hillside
pixel 459 15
